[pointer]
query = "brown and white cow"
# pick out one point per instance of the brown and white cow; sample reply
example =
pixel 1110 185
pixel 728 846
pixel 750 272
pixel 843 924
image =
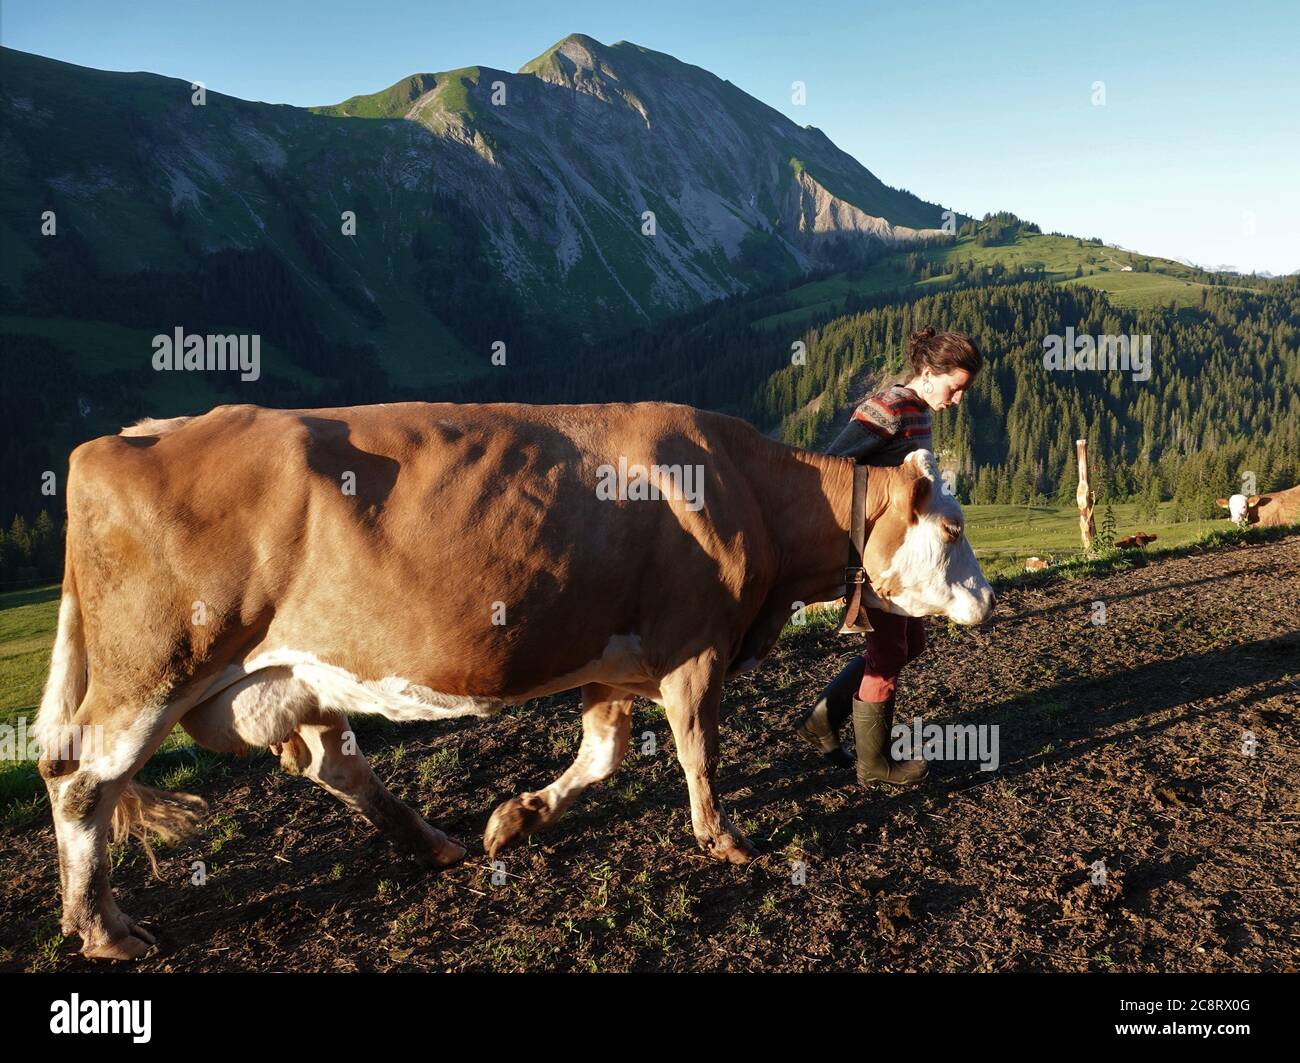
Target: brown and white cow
pixel 1267 510
pixel 257 574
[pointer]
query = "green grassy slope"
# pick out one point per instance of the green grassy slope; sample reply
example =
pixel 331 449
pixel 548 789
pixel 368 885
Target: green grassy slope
pixel 392 102
pixel 1143 290
pixel 1058 256
pixel 27 623
pixel 1004 536
pixel 28 619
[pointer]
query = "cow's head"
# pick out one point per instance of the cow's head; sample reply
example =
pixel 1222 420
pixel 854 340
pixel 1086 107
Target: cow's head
pixel 1241 509
pixel 917 556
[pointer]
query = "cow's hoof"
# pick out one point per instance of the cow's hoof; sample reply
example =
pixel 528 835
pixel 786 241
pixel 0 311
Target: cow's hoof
pixel 733 848
pixel 426 845
pixel 131 944
pixel 440 852
pixel 513 821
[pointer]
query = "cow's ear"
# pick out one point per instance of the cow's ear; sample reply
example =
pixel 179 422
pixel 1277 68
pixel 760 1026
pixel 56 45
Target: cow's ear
pixel 1253 501
pixel 918 497
pixel 1223 503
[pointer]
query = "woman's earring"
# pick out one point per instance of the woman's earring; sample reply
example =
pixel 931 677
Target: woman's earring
pixel 926 385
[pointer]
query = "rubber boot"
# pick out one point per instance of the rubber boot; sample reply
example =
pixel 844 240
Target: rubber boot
pixel 872 721
pixel 821 727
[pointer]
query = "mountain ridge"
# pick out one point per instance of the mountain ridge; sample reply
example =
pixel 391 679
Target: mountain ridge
pixel 609 186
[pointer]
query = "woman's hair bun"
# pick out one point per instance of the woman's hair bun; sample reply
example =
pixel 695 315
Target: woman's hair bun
pixel 943 352
pixel 920 339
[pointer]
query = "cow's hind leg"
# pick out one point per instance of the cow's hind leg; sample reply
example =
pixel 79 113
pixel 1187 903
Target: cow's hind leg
pixel 692 696
pixel 90 794
pixel 606 723
pixel 326 752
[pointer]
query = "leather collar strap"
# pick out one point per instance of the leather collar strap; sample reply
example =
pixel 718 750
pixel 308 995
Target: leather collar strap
pixel 855 576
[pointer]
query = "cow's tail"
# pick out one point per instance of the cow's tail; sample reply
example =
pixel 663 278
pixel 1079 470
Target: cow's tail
pixel 66 684
pixel 141 810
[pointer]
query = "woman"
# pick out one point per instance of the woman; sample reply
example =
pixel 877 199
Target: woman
pixel 883 430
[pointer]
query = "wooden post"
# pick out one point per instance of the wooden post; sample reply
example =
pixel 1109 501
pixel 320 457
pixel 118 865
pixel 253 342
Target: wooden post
pixel 1083 496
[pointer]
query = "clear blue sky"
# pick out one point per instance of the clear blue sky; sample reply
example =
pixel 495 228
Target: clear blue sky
pixel 980 106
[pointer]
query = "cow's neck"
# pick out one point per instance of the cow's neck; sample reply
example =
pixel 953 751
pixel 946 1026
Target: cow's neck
pixel 809 503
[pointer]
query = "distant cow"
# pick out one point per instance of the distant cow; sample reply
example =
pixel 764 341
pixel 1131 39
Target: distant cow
pixel 1268 510
pixel 1138 540
pixel 256 574
pixel 1036 564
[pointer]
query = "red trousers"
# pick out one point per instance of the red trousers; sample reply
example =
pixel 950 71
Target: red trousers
pixel 895 641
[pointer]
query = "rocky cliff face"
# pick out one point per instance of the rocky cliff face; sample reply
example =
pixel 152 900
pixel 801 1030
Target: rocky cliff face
pixel 575 149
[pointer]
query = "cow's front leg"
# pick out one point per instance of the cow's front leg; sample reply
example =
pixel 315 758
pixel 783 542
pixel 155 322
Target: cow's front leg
pixel 692 695
pixel 606 723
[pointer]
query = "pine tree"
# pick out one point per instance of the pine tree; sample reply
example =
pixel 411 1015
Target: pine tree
pixel 1022 486
pixel 1149 506
pixel 20 539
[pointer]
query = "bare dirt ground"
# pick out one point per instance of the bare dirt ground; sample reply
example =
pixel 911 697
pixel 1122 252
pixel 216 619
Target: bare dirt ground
pixel 1123 743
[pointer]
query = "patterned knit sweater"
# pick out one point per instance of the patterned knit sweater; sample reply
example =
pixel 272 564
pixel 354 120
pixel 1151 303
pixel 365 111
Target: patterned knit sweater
pixel 887 427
